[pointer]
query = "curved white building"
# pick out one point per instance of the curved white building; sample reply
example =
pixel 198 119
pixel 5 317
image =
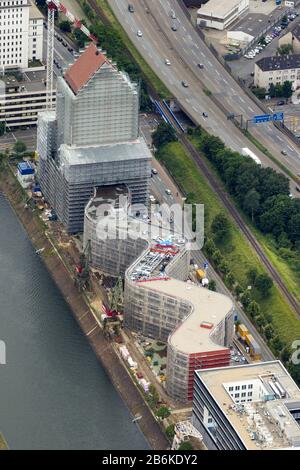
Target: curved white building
pixel 196 323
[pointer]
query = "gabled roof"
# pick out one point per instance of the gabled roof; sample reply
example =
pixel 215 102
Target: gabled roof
pixel 85 67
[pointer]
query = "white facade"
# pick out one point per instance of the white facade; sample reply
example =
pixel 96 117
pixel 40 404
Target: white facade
pixel 17 32
pixel 218 14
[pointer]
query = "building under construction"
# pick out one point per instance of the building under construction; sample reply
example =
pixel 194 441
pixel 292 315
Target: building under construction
pixel 92 140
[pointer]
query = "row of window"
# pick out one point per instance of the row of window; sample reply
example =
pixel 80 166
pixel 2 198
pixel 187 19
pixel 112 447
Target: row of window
pixel 243 394
pixel 241 387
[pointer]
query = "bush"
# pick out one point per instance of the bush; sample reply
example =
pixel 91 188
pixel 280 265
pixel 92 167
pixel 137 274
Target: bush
pixel 163 412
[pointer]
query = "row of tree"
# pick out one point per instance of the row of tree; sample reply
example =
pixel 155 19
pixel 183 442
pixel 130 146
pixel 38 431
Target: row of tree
pixel 275 91
pixel 262 193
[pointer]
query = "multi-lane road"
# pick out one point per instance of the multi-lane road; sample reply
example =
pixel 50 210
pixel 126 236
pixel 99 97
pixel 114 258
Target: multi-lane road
pixel 185 50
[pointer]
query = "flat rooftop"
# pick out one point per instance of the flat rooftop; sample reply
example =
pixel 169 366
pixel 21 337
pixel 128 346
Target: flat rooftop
pixel 271 415
pixel 218 8
pixel 208 309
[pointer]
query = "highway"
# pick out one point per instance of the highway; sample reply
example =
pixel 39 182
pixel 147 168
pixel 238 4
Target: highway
pixel 159 183
pixel 185 49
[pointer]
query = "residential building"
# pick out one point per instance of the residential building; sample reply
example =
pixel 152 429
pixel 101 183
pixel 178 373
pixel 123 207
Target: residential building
pixel 92 140
pixel 248 407
pixel 219 15
pixel 276 70
pixel 21 34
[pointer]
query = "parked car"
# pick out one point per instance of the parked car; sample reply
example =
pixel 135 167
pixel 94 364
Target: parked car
pixel 184 84
pixel 205 115
pixel 168 191
pixel 283 152
pixel 131 8
pixel 139 33
pixel 154 171
pixel 280 103
pixel 167 62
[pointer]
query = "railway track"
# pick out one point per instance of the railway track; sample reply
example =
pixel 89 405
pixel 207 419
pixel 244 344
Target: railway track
pixel 219 189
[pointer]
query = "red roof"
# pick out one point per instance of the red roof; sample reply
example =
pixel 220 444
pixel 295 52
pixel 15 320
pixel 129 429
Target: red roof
pixel 85 67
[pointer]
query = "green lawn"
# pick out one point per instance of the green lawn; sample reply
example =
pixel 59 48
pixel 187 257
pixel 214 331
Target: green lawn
pixel 237 251
pixel 148 73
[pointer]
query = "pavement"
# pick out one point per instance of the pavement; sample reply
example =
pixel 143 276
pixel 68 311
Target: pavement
pixel 185 49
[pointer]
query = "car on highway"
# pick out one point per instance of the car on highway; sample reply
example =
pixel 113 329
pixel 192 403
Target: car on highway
pixel 139 33
pixel 154 171
pixel 283 152
pixel 201 66
pixel 184 84
pixel 130 8
pixel 167 62
pixel 204 114
pixel 168 192
pixel 174 27
pixel 173 15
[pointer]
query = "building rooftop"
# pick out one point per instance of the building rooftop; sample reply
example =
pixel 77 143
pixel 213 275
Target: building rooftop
pixel 85 67
pixel 218 8
pixel 209 309
pixel 280 62
pixel 265 422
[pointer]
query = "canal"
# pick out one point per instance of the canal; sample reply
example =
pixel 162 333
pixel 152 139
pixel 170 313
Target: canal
pixel 54 394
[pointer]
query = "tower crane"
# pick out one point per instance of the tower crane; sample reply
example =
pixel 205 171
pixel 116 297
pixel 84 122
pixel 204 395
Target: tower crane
pixel 54 5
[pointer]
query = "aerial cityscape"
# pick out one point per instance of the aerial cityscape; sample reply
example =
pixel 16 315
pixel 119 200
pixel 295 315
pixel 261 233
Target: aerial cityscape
pixel 150 227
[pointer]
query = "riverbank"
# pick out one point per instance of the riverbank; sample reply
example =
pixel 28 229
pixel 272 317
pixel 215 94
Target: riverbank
pixel 82 313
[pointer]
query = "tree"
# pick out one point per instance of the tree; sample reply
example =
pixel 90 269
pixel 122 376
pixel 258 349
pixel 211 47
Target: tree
pixel 212 285
pixel 253 309
pixel 269 332
pixel 154 393
pixel 287 89
pixel 163 412
pixel 251 275
pixel 263 283
pixel 2 128
pixel 259 92
pixel 65 26
pixel 170 431
pixel 220 226
pixel 186 445
pixel 251 203
pixel 20 147
pixel 272 91
pixel 246 298
pixel 229 279
pixel 163 135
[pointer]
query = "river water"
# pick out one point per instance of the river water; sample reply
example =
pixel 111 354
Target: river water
pixel 53 392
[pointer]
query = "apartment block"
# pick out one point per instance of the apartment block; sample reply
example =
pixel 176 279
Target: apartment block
pixel 276 70
pixel 248 407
